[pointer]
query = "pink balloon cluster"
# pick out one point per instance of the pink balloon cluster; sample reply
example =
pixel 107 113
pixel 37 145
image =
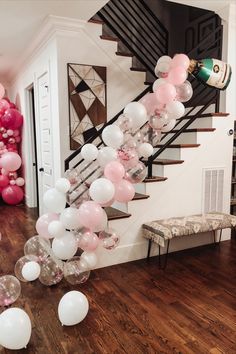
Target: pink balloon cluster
pixel 11 122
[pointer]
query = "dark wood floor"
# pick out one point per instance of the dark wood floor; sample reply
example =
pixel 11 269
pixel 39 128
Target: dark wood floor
pixel 134 308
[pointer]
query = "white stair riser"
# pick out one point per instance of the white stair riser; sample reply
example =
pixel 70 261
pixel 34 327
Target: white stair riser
pixel 172 154
pixel 184 138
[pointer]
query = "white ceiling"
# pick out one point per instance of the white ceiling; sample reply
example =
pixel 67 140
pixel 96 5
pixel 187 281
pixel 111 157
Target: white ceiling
pixel 21 19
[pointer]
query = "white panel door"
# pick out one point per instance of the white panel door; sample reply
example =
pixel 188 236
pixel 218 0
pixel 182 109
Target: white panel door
pixel 46 152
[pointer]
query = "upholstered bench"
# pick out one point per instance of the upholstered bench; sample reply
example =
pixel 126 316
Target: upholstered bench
pixel 162 231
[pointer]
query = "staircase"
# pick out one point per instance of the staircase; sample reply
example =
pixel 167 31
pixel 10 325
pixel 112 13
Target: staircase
pixel 175 146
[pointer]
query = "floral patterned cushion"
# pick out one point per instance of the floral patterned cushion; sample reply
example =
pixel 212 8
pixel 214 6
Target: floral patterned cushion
pixel 160 230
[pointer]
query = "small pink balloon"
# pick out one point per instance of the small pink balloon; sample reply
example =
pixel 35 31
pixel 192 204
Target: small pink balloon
pixel 88 241
pixel 90 214
pixel 16 132
pixel 43 222
pixel 2 91
pixel 166 93
pixel 11 161
pixel 12 195
pixel 180 60
pixel 177 75
pixel 151 103
pixel 114 171
pixel 124 191
pixel 4 105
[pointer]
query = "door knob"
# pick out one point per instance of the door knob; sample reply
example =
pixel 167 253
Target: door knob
pixel 41 169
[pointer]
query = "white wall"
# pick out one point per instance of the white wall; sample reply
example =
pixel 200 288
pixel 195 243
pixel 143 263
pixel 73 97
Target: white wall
pixel 86 47
pixel 44 59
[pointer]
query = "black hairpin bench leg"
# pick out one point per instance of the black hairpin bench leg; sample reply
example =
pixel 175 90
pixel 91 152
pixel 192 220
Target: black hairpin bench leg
pixel 166 256
pixel 149 248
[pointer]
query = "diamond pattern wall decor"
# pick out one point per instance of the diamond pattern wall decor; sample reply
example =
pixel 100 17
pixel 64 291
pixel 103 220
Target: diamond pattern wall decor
pixel 87 101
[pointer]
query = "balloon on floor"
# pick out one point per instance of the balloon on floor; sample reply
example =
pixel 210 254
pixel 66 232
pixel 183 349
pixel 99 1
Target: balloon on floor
pixel 11 122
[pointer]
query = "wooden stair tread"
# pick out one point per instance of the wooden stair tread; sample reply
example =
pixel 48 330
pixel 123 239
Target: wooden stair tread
pixel 233 180
pixel 113 213
pixel 96 20
pixel 204 115
pixel 167 162
pixel 139 196
pixel 109 38
pixel 195 130
pixel 138 69
pixel 123 54
pixel 233 201
pixel 182 146
pixel 155 179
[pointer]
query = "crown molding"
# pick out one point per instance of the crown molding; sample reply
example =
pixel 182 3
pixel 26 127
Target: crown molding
pixel 50 27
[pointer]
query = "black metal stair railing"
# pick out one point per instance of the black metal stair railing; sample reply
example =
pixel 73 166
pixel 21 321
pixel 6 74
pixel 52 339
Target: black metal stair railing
pixel 138 29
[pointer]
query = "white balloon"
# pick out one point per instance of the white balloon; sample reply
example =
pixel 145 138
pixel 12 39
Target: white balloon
pixel 102 190
pixel 54 200
pixel 69 218
pixel 89 152
pixel 20 181
pixel 137 112
pixel 158 83
pixel 105 155
pixel 89 258
pixel 56 229
pixel 166 128
pixel 64 247
pixel 175 109
pixel 113 136
pixel 145 150
pixel 62 185
pixel 15 329
pixel 164 58
pixel 163 67
pixel 73 308
pixel 31 271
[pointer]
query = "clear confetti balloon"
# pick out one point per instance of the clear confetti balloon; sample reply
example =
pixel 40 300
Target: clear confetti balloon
pixel 74 272
pixel 109 239
pixel 51 271
pixel 10 290
pixel 184 91
pixel 39 247
pixel 20 264
pixel 125 123
pixel 136 174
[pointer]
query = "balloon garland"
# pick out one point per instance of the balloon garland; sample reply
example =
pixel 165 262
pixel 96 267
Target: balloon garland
pixel 11 122
pixel 68 238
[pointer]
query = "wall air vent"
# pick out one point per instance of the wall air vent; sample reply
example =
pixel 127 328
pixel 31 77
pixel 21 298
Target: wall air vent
pixel 212 189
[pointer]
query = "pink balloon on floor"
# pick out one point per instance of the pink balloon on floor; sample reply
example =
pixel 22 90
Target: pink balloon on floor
pixel 12 119
pixel 12 195
pixel 43 222
pixel 124 191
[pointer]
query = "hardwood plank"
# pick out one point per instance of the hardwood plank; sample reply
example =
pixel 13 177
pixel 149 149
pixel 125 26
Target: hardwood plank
pixel 135 308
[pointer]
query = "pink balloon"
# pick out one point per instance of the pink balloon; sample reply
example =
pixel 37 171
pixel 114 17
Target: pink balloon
pixel 128 157
pixel 12 119
pixel 151 103
pixel 124 191
pixel 4 181
pixel 12 195
pixel 10 161
pixel 88 241
pixel 177 75
pixel 114 171
pixel 90 214
pixel 180 60
pixel 4 105
pixel 2 91
pixel 166 93
pixel 43 222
